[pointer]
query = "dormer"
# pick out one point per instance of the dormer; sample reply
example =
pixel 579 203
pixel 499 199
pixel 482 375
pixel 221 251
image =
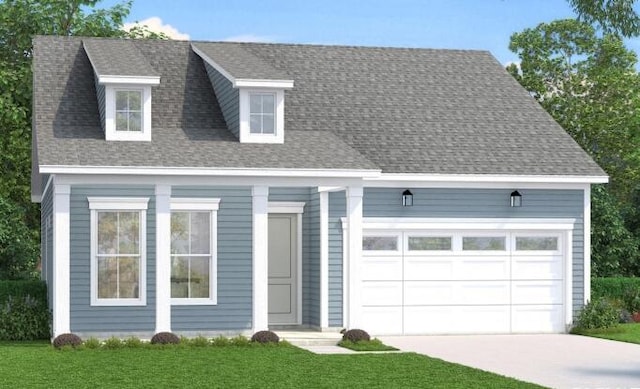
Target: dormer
pixel 249 90
pixel 123 78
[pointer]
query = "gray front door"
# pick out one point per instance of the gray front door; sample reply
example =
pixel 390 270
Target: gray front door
pixel 283 269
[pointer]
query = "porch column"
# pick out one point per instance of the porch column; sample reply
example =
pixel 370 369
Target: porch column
pixel 354 250
pixel 61 262
pixel 163 258
pixel 324 260
pixel 260 258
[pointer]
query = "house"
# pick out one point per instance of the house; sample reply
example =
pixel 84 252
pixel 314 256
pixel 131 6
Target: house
pixel 224 188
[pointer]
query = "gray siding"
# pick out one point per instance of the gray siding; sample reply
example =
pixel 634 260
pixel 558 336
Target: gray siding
pixel 310 254
pixel 100 91
pixel 228 98
pixel 233 310
pixel 84 317
pixel 488 203
pixel 46 242
pixel 337 210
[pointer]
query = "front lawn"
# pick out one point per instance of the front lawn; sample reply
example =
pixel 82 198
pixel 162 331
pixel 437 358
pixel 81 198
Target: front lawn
pixel 39 365
pixel 629 333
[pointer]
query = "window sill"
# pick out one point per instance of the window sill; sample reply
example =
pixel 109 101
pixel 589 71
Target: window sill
pixel 118 303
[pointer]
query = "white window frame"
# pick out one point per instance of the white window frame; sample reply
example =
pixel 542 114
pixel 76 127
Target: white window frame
pixel 119 204
pixel 110 113
pixel 194 205
pixel 245 131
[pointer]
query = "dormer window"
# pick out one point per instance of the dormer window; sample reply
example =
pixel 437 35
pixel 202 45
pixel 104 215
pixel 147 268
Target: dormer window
pixel 128 112
pixel 124 79
pixel 261 115
pixel 250 91
pixel 262 108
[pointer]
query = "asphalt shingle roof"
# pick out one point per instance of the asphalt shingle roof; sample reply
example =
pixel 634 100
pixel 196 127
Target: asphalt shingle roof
pixel 398 110
pixel 240 63
pixel 117 57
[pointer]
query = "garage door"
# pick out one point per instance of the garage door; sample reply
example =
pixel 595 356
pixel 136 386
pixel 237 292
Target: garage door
pixel 420 282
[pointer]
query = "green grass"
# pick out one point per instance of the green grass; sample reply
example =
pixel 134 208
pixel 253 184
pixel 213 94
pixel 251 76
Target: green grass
pixel 363 345
pixel 40 366
pixel 629 333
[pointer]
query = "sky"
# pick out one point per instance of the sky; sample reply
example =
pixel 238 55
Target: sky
pixel 449 24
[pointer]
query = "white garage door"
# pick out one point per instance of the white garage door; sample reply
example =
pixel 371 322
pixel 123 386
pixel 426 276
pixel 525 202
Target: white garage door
pixel 420 282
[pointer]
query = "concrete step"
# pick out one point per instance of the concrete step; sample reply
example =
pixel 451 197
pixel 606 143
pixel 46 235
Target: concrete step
pixel 308 338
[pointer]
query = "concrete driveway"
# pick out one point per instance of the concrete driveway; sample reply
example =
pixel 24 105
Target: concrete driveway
pixel 556 361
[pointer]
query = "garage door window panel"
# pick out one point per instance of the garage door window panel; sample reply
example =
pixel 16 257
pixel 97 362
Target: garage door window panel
pixel 536 243
pixel 429 243
pixel 484 243
pixel 380 243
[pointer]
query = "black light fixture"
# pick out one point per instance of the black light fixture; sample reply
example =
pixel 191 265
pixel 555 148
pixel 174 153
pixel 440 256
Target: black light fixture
pixel 407 198
pixel 516 199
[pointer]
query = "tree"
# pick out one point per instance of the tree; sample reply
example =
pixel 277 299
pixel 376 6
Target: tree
pixel 611 16
pixel 20 20
pixel 588 83
pixel 18 254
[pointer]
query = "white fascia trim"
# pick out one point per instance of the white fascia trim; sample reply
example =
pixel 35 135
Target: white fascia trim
pixel 129 80
pixel 285 207
pixel 389 178
pixel 198 171
pixel 194 204
pixel 242 82
pixel 118 203
pixel 390 223
pixel 257 83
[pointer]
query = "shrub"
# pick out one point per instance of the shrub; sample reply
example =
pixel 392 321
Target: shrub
pixel 36 289
pixel 92 343
pixel 356 335
pixel 24 318
pixel 598 313
pixel 631 299
pixel 113 343
pixel 165 338
pixel 625 317
pixel 239 341
pixel 265 337
pixel 220 341
pixel 133 342
pixel 199 341
pixel 63 340
pixel 613 288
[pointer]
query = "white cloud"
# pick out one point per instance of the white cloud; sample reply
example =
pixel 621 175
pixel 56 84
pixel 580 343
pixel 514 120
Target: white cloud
pixel 155 24
pixel 250 38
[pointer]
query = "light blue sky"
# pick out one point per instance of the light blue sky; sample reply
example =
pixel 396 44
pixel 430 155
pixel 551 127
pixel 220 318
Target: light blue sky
pixel 455 24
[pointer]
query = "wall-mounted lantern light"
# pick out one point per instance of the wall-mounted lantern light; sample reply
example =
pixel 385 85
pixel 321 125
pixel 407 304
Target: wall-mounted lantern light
pixel 407 198
pixel 516 199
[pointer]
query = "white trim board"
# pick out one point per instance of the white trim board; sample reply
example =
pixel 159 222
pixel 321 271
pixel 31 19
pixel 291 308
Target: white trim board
pixel 389 178
pixel 285 207
pixel 384 223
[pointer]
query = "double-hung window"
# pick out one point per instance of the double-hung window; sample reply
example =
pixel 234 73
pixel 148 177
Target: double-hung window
pixel 118 243
pixel 193 250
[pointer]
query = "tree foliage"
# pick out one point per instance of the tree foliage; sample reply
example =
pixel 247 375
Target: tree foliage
pixel 611 16
pixel 20 21
pixel 588 82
